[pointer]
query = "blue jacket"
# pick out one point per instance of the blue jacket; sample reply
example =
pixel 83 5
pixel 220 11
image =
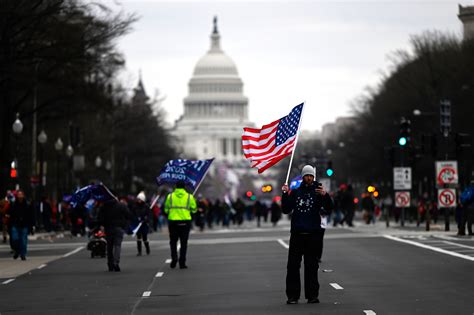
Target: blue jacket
pixel 306 208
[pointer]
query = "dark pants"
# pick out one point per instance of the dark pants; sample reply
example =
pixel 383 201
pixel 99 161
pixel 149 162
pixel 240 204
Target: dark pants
pixel 19 238
pixel 179 230
pixel 321 243
pixel 114 237
pixel 307 245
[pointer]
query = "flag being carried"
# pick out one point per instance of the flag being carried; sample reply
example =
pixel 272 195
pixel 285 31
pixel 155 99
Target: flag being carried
pixel 192 172
pixel 267 146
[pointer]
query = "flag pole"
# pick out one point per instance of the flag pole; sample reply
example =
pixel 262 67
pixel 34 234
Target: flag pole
pixel 154 201
pixel 202 179
pixel 296 143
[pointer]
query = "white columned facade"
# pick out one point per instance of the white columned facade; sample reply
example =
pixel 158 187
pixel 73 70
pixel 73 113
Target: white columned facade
pixel 215 109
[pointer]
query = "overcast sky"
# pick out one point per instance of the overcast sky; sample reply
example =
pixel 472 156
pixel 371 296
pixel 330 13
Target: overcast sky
pixel 286 52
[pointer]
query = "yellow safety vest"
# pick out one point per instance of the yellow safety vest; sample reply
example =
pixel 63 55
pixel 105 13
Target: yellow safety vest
pixel 179 205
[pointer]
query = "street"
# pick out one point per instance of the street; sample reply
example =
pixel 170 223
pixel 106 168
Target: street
pixel 364 270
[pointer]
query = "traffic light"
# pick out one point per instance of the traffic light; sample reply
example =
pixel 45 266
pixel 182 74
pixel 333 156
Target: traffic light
pixel 249 194
pixel 405 129
pixel 267 188
pixel 445 117
pixel 13 171
pixel 329 169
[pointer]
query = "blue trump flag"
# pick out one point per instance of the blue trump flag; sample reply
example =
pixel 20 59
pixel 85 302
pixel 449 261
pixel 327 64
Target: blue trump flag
pixel 190 171
pixel 97 192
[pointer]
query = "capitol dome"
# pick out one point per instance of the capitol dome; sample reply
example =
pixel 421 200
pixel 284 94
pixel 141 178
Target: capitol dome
pixel 215 88
pixel 215 62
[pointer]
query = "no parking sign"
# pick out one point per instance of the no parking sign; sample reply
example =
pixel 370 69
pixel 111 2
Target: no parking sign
pixel 446 172
pixel 402 199
pixel 447 198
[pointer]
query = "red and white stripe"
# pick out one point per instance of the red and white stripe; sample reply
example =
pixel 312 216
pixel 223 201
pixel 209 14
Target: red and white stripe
pixel 259 146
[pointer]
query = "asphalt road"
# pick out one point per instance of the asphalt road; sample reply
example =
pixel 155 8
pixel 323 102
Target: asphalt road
pixel 365 270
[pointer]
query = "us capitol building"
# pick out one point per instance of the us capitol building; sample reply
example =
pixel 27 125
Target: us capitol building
pixel 215 112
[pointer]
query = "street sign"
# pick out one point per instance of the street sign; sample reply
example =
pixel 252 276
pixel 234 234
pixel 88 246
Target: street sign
pixel 447 198
pixel 402 199
pixel 402 178
pixel 446 172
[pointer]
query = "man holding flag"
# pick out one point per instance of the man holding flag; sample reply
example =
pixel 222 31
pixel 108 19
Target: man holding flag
pixel 178 206
pixel 306 204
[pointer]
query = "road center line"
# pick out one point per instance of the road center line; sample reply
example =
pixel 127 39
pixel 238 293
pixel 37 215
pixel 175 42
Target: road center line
pixel 41 266
pixel 146 294
pixel 369 312
pixel 336 286
pixel 283 243
pixel 8 281
pixel 159 274
pixel 439 250
pixel 74 251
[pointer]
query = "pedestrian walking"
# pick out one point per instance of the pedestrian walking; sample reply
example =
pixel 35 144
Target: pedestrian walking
pixel 21 220
pixel 467 200
pixel 178 206
pixel 306 204
pixel 142 214
pixel 114 217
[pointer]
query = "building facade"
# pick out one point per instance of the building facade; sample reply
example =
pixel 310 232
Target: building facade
pixel 466 15
pixel 215 110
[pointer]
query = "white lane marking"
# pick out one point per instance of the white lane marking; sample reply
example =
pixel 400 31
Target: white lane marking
pixel 439 250
pixel 369 312
pixel 146 294
pixel 179 246
pixel 336 286
pixel 167 261
pixel 458 245
pixel 41 266
pixel 8 281
pixel 283 243
pixel 74 251
pixel 159 274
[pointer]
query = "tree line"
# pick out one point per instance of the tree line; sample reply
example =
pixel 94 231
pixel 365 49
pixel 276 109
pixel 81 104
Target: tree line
pixel 436 67
pixel 58 66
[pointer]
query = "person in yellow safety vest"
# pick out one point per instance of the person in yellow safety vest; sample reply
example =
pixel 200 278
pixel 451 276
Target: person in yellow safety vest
pixel 178 207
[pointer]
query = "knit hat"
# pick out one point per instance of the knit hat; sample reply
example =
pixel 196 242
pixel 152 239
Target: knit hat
pixel 308 170
pixel 141 196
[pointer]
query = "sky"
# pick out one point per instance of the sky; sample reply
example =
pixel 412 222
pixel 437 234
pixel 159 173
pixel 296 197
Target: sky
pixel 325 53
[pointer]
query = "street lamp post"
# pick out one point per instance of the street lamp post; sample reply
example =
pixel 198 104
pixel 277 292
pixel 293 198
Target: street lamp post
pixel 98 164
pixel 58 146
pixel 69 153
pixel 42 139
pixel 17 128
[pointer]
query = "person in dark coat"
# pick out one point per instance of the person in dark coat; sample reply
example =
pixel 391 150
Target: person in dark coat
pixel 306 203
pixel 142 214
pixel 276 213
pixel 21 221
pixel 114 217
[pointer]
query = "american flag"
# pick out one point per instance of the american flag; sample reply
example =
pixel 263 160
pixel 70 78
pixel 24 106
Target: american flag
pixel 267 146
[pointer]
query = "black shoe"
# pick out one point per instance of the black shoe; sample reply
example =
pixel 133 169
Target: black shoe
pixel 313 300
pixel 183 267
pixel 139 254
pixel 116 268
pixel 23 257
pixel 111 267
pixel 173 264
pixel 15 256
pixel 292 301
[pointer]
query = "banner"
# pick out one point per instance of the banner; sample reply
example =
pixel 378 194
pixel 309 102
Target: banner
pixel 189 171
pixel 96 191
